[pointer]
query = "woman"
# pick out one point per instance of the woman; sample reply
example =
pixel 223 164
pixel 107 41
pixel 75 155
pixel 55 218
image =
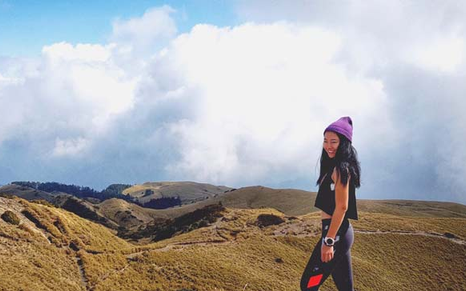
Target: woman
pixel 339 176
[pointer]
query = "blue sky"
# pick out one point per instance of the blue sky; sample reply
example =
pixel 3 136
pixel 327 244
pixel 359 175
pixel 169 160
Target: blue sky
pixel 233 93
pixel 27 25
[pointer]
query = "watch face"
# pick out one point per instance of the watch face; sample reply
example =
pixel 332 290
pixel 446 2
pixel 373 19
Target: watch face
pixel 329 241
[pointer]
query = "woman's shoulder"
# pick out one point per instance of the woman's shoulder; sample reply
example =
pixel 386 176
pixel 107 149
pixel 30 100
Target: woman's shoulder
pixel 336 174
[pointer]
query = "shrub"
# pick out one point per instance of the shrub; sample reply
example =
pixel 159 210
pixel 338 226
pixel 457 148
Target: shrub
pixel 268 219
pixel 10 217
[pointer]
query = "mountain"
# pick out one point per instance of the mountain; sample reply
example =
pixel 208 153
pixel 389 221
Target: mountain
pixel 25 192
pixel 288 201
pixel 142 224
pixel 181 193
pixel 131 220
pixel 157 195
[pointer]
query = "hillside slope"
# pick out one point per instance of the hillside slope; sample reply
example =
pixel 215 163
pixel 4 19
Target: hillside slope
pixel 288 201
pixel 413 208
pixel 236 253
pixel 44 251
pixel 244 249
pixel 300 202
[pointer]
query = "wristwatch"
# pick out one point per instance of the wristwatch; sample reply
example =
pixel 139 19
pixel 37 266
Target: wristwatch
pixel 328 241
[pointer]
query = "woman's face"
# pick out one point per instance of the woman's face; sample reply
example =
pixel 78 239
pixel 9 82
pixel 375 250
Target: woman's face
pixel 331 143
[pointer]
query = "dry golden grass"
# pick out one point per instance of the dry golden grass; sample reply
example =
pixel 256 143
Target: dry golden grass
pixel 28 261
pixel 408 262
pixel 390 252
pixel 388 222
pixel 413 208
pixel 186 190
pixel 38 256
pixel 236 254
pixel 35 266
pixel 289 201
pixel 111 209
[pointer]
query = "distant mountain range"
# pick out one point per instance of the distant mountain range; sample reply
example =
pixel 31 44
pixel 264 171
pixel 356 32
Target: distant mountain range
pixel 132 221
pixel 157 195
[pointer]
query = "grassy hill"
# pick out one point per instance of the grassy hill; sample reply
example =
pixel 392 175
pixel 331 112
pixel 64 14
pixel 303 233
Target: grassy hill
pixel 45 250
pixel 237 254
pixel 26 192
pixel 188 192
pixel 413 208
pixel 288 201
pixel 53 249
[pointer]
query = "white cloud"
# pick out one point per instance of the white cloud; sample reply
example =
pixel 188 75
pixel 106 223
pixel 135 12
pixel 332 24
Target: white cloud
pixel 87 53
pixel 70 147
pixel 144 34
pixel 443 55
pixel 247 104
pixel 89 79
pixel 6 81
pixel 70 89
pixel 415 52
pixel 266 94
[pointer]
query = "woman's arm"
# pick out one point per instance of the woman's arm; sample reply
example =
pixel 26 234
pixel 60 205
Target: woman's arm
pixel 341 205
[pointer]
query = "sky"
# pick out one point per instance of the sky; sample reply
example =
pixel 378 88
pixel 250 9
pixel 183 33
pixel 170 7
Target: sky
pixel 234 93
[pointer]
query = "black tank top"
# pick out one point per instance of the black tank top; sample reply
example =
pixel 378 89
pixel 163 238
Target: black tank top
pixel 325 199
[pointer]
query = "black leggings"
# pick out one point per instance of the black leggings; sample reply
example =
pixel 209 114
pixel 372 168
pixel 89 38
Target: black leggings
pixel 339 267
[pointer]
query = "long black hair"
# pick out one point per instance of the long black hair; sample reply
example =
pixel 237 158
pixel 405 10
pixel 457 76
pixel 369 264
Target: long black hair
pixel 345 160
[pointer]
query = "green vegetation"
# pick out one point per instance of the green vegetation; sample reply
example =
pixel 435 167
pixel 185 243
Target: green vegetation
pixel 160 203
pixel 115 190
pixel 264 220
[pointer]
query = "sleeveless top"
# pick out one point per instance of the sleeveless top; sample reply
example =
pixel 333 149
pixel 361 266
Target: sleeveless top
pixel 325 199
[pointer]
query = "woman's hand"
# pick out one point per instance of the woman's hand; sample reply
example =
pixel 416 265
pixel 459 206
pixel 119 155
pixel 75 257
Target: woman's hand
pixel 326 253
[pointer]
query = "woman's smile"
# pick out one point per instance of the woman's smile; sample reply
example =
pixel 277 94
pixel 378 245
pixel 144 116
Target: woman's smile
pixel 331 143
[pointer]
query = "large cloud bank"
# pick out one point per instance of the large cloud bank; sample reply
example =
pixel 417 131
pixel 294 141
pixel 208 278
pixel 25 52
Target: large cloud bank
pixel 247 105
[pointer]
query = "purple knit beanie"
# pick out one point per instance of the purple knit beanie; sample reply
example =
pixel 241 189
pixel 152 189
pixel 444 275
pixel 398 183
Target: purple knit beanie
pixel 343 126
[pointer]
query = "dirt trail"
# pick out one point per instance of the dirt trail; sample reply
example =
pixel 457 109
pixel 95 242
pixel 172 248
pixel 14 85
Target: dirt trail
pixel 421 233
pixel 177 246
pixel 308 229
pixel 105 277
pixel 82 274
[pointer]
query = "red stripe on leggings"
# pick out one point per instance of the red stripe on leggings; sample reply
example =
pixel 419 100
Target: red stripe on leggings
pixel 314 280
